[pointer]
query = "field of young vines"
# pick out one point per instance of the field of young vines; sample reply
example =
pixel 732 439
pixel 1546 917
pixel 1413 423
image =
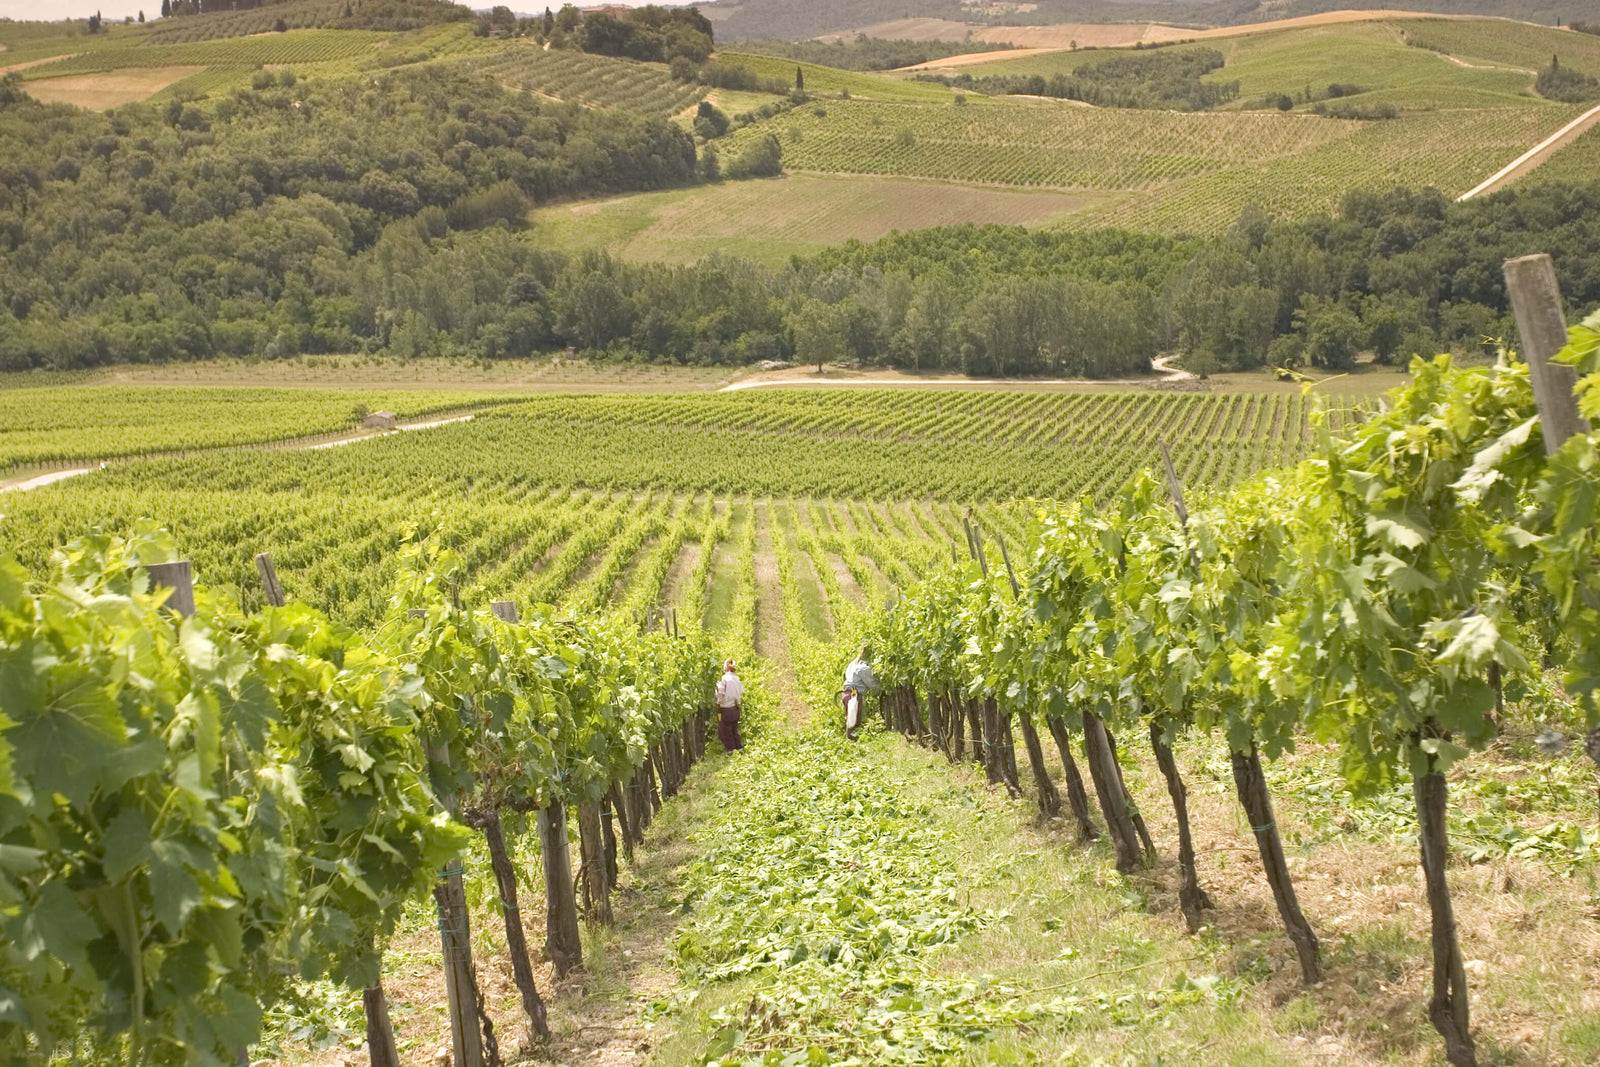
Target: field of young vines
pixel 1191 172
pixel 772 525
pixel 54 426
pixel 596 81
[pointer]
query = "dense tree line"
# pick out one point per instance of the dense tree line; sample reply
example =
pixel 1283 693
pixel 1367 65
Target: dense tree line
pixel 1155 79
pixel 190 229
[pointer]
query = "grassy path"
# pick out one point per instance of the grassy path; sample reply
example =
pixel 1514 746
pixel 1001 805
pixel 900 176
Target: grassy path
pixel 864 904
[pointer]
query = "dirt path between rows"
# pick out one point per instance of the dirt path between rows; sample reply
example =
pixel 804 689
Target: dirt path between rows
pixel 1536 155
pixel 771 636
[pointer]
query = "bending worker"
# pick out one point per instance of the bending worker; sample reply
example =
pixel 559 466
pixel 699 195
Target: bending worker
pixel 859 680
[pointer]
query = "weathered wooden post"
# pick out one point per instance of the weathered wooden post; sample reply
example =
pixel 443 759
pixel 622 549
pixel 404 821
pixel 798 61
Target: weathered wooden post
pixel 269 579
pixel 179 577
pixel 1536 298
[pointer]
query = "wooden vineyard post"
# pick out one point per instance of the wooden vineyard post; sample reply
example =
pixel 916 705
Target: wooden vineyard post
pixel 1536 298
pixel 562 940
pixel 270 587
pixel 179 577
pixel 455 925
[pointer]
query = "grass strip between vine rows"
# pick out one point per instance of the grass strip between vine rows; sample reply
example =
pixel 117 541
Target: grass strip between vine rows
pixel 851 904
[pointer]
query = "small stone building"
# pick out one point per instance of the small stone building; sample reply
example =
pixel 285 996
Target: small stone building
pixel 380 420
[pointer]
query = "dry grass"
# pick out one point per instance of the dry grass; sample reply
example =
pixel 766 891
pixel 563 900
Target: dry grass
pixel 99 92
pixel 1528 931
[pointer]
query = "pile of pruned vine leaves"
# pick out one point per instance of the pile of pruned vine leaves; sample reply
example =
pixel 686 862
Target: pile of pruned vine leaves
pixel 827 892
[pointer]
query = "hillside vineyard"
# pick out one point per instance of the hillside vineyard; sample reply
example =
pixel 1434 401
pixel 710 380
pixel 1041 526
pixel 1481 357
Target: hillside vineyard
pixel 760 534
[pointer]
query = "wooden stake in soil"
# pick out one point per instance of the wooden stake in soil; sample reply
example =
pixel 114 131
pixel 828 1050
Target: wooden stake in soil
pixel 455 934
pixel 1536 298
pixel 271 589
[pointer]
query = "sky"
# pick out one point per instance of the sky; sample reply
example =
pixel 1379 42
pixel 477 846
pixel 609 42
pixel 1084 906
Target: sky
pixel 51 10
pixel 116 9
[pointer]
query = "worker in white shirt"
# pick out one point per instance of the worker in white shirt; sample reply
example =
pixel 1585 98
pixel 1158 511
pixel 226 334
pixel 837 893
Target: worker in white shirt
pixel 730 691
pixel 859 680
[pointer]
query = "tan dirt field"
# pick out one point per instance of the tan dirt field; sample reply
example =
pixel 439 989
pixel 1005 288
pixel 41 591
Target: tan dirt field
pixel 1059 35
pixel 1031 40
pixel 98 92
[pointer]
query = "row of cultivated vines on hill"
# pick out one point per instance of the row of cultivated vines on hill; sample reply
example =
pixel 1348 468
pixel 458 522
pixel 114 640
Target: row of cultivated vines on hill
pixel 1380 596
pixel 199 804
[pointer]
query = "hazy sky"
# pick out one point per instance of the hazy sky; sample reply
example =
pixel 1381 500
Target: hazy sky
pixel 116 9
pixel 77 9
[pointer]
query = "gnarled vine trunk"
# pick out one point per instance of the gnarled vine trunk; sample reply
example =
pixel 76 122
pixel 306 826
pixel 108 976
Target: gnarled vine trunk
pixel 1077 796
pixel 1127 799
pixel 563 943
pixel 1113 796
pixel 1191 898
pixel 1049 798
pixel 381 1050
pixel 1447 1008
pixel 1256 800
pixel 597 878
pixel 505 876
